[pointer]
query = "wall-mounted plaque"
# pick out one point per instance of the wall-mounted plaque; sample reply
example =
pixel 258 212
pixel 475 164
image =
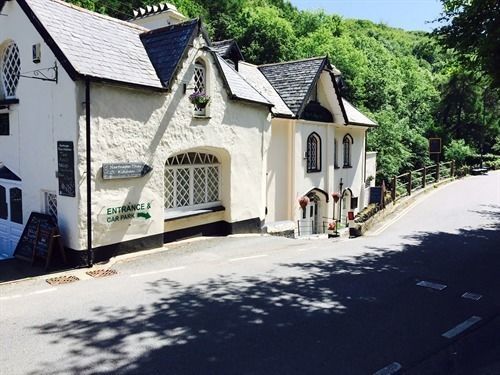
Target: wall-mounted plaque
pixel 66 168
pixel 376 194
pixel 112 171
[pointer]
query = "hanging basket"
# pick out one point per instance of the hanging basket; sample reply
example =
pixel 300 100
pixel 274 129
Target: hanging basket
pixel 303 202
pixel 199 99
pixel 336 196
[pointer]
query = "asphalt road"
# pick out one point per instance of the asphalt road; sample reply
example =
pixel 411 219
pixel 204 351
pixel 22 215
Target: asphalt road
pixel 260 305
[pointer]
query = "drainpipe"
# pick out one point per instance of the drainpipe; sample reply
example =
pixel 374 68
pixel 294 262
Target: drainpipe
pixel 90 252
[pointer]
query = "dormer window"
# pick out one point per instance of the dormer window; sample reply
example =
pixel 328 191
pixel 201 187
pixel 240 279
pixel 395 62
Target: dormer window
pixel 200 84
pixel 10 70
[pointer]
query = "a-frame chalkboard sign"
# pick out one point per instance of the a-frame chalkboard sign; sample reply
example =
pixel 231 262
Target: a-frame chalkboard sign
pixel 40 239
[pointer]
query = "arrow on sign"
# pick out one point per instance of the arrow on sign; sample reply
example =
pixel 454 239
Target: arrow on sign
pixel 145 215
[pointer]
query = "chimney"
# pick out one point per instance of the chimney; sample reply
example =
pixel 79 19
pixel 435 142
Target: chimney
pixel 156 16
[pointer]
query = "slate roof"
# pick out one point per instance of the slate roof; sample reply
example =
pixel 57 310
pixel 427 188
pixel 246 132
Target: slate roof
pixel 167 46
pixel 255 77
pixel 238 87
pixel 96 45
pixel 293 80
pixel 228 49
pixel 354 116
pixel 7 174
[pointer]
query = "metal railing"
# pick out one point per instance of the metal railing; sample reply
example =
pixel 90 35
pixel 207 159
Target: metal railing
pixel 310 227
pixel 407 183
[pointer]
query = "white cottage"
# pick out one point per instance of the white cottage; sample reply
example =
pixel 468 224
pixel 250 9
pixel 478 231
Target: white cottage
pixel 317 146
pixel 97 130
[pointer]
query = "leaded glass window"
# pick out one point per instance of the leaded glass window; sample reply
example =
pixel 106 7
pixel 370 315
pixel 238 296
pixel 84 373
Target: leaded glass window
pixel 200 83
pixel 347 142
pixel 313 153
pixel 192 180
pixel 10 70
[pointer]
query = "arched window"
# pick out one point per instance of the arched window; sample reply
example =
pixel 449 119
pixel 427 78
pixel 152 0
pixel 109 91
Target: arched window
pixel 313 153
pixel 192 180
pixel 200 83
pixel 10 70
pixel 16 205
pixel 335 154
pixel 347 142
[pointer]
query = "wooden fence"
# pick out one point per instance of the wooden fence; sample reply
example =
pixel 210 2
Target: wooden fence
pixel 407 183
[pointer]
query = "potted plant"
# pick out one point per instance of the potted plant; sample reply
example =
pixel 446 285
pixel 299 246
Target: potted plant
pixel 199 99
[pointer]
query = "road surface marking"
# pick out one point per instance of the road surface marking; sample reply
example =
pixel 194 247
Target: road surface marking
pixel 43 291
pixel 246 258
pixel 397 218
pixel 429 284
pixel 461 327
pixel 389 369
pixel 307 249
pixel 10 297
pixel 472 296
pixel 158 271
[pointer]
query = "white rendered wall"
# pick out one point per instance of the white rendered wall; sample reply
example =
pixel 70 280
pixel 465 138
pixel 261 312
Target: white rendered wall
pixel 130 125
pixel 46 113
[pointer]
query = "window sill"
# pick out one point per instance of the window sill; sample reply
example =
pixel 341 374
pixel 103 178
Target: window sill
pixel 176 215
pixel 6 102
pixel 314 171
pixel 347 166
pixel 336 167
pixel 202 117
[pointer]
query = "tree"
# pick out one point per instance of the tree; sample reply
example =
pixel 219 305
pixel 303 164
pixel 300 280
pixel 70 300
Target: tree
pixel 459 151
pixel 473 30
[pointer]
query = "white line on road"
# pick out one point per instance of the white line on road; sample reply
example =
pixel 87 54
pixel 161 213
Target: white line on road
pixel 158 271
pixel 389 369
pixel 307 249
pixel 384 227
pixel 14 296
pixel 247 258
pixel 461 327
pixel 429 284
pixel 472 296
pixel 43 291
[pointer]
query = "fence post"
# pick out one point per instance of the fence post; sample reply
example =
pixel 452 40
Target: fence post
pixel 437 172
pixel 452 171
pixel 393 190
pixel 424 177
pixel 409 183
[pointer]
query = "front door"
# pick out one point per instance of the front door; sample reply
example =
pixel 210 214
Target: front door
pixel 11 217
pixel 308 223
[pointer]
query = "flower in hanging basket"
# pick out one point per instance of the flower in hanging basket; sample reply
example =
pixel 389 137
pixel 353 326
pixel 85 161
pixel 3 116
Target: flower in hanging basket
pixel 335 196
pixel 303 201
pixel 199 99
pixel 332 225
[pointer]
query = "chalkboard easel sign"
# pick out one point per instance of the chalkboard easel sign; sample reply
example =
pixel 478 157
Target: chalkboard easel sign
pixel 39 240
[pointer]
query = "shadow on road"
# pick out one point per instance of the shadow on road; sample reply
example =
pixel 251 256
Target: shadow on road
pixel 332 317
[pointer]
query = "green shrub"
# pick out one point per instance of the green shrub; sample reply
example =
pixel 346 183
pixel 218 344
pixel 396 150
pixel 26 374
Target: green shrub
pixel 459 151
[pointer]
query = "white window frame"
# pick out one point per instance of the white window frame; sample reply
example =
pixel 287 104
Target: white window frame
pixel 172 211
pixel 200 65
pixel 8 82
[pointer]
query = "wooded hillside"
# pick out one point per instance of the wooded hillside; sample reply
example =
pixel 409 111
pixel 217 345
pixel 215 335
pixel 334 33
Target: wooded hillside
pixel 406 81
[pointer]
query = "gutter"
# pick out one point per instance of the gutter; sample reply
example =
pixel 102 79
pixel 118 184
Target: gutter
pixel 90 251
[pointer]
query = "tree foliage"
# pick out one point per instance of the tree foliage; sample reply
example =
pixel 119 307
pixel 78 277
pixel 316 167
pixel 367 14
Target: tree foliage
pixel 473 29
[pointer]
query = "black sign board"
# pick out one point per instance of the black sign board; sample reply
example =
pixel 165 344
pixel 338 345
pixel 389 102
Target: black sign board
pixel 66 168
pixel 40 236
pixel 376 194
pixel 112 171
pixel 434 145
